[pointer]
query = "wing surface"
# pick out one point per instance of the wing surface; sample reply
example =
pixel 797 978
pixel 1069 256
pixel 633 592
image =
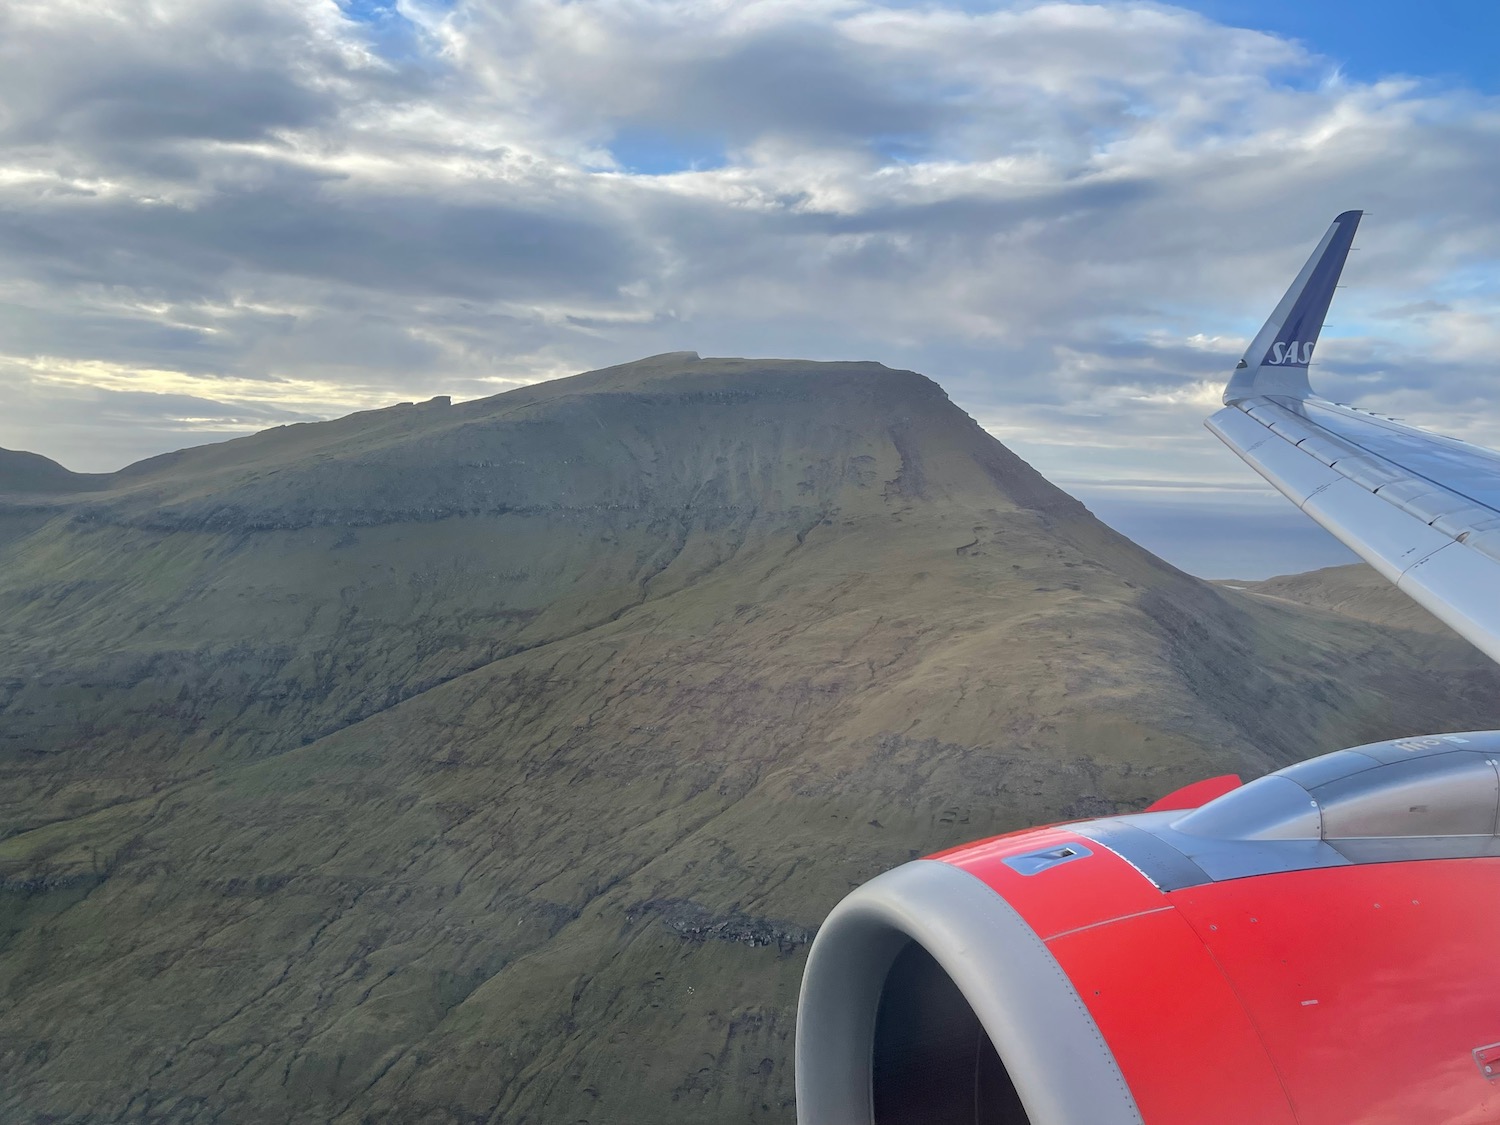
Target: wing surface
pixel 1423 509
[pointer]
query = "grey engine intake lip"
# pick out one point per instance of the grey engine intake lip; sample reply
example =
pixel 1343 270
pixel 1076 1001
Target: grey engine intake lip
pixel 1062 1068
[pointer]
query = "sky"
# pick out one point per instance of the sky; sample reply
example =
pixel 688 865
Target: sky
pixel 222 215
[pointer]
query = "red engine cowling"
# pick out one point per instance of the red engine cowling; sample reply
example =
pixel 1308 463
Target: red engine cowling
pixel 1319 947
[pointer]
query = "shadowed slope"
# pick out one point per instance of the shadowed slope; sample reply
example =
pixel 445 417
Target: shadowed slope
pixel 496 761
pixel 22 472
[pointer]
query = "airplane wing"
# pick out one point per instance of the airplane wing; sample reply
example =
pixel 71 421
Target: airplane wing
pixel 1316 946
pixel 1423 509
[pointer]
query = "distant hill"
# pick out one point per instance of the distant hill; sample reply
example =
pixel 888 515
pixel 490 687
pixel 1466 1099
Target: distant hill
pixel 497 760
pixel 22 472
pixel 1354 591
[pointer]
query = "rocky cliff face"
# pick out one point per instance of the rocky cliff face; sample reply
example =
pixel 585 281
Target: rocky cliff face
pixel 498 761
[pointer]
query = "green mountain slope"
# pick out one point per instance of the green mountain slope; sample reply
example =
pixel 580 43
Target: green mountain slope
pixel 496 762
pixel 1355 591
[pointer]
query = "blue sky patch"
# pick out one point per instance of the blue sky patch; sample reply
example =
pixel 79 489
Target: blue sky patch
pixel 902 148
pixel 656 152
pixel 1452 41
pixel 393 36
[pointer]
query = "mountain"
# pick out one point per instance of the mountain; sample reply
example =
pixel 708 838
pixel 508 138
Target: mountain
pixel 1354 591
pixel 22 473
pixel 496 761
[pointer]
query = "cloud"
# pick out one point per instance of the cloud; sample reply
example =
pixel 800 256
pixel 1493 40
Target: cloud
pixel 1071 215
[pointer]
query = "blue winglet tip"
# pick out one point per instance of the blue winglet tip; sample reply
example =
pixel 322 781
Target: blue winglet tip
pixel 1277 360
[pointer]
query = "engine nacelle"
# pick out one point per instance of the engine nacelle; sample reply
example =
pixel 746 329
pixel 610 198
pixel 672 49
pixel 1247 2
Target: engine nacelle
pixel 1318 947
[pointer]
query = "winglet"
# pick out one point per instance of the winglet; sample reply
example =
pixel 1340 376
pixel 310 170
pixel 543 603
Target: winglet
pixel 1276 361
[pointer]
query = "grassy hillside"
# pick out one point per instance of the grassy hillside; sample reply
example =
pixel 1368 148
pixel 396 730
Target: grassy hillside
pixel 496 762
pixel 1354 591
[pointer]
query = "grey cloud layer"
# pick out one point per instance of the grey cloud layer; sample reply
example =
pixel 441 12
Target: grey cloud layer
pixel 217 214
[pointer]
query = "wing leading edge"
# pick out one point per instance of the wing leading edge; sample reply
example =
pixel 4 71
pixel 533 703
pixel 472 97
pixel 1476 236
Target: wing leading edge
pixel 1423 509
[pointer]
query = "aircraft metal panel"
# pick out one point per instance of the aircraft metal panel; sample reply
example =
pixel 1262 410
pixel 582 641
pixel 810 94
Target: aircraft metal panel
pixel 1329 450
pixel 1384 536
pixel 1369 471
pixel 1296 475
pixel 1460 587
pixel 1486 542
pixel 1468 470
pixel 1371 985
pixel 1180 1035
pixel 1236 429
pixel 1454 794
pixel 1100 887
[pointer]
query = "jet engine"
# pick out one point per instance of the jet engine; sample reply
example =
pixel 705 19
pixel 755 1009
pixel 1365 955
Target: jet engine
pixel 1318 947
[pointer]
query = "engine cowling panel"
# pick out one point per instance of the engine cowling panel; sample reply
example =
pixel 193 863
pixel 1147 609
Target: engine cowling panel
pixel 1143 969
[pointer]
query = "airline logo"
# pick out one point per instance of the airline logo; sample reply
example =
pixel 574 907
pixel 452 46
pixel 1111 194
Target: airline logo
pixel 1294 354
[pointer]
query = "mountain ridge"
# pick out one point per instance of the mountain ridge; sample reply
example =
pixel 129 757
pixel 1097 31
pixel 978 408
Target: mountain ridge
pixel 450 443
pixel 1353 590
